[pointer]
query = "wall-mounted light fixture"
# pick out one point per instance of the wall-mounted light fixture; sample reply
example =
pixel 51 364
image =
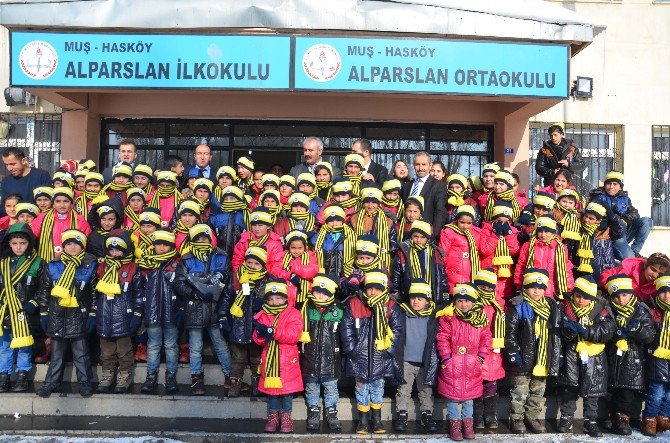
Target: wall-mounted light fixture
pixel 582 87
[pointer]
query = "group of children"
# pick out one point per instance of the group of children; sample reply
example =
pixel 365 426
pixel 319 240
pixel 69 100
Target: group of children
pixel 313 278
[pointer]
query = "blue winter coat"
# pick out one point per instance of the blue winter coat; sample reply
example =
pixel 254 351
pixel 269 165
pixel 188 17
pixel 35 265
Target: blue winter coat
pixel 241 328
pixel 619 208
pixel 160 300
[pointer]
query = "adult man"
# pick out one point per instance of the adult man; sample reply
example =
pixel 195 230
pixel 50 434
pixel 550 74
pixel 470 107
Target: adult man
pixel 312 151
pixel 202 168
pixel 127 154
pixel 555 154
pixel 434 192
pixel 372 171
pixel 22 179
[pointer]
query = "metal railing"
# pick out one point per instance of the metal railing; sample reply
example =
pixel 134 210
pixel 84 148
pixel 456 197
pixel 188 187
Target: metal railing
pixel 660 175
pixel 39 135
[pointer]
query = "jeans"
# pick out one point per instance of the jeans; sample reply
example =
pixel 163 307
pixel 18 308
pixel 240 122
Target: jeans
pixel 636 233
pixel 24 356
pixel 658 400
pixel 369 391
pixel 220 347
pixel 330 393
pixel 283 403
pixel 165 335
pixel 455 414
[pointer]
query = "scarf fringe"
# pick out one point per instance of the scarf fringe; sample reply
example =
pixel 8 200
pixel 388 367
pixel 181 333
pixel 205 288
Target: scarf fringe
pixel 498 343
pixel 22 342
pixel 540 371
pixel 663 353
pixel 68 302
pixel 273 383
pixel 108 288
pixel 585 267
pixel 60 291
pixel 235 311
pixel 571 235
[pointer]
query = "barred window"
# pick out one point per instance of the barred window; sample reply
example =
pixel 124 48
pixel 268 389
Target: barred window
pixel 39 137
pixel 660 175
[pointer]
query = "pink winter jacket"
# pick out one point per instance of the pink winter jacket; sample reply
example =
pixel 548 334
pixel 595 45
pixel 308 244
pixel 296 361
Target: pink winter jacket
pixel 634 268
pixel 273 245
pixel 287 333
pixel 494 368
pixel 505 287
pixel 305 272
pixel 459 346
pixel 457 252
pixel 544 258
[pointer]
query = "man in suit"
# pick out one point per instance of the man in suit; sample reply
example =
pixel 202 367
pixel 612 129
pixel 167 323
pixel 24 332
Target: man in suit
pixel 312 151
pixel 202 168
pixel 372 171
pixel 127 154
pixel 434 192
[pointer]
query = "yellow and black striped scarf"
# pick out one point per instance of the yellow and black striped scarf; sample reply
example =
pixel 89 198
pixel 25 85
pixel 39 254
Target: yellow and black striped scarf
pixel 585 247
pixel 418 271
pixel 166 192
pixel 507 196
pixel 64 287
pixel 251 277
pixel 304 337
pixel 109 282
pixel 274 212
pixel 472 246
pixel 571 224
pixel 663 349
pixel 542 312
pixel 81 203
pixel 144 246
pixel 45 245
pixel 456 199
pixel 201 251
pixel 355 183
pixel 253 241
pixel 584 319
pixel 382 232
pixel 185 246
pixel 116 188
pixel 348 247
pixel 475 316
pixel 307 217
pixel 374 264
pixel 21 336
pixel 623 313
pixel 559 263
pixel 502 258
pixel 133 217
pixel 353 202
pixel 272 358
pixel 426 312
pixel 152 262
pixel 303 290
pixel 233 206
pixel 383 330
pixel 320 186
pixel 397 203
pixel 488 298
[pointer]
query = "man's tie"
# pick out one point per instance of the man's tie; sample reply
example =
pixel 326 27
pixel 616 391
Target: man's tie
pixel 201 172
pixel 415 187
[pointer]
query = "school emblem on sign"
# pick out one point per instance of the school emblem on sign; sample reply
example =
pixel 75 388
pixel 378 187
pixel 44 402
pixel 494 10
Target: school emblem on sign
pixel 321 62
pixel 38 60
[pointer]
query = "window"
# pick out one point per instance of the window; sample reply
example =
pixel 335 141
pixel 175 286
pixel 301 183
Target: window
pixel 38 135
pixel 660 175
pixel 599 147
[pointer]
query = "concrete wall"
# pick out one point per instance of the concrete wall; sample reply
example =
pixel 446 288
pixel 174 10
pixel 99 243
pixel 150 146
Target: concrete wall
pixel 630 64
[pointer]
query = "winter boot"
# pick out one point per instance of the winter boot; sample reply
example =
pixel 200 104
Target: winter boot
pixel 428 422
pixel 106 382
pixel 85 389
pixel 150 384
pixel 44 358
pixel 49 388
pixel 377 426
pixel 141 352
pixel 332 420
pixel 123 382
pixel 517 426
pixel 363 426
pixel 401 422
pixel 591 428
pixel 490 413
pixel 286 423
pixel 4 381
pixel 255 379
pixel 662 423
pixel 22 384
pixel 184 353
pixel 649 426
pixel 272 425
pixel 313 418
pixel 468 429
pixel 565 424
pixel 235 387
pixel 535 426
pixel 455 431
pixel 623 424
pixel 478 413
pixel 171 386
pixel 198 384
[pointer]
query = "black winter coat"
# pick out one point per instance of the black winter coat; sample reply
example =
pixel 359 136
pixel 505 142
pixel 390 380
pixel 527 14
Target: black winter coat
pixel 520 336
pixel 549 156
pixel 113 314
pixel 241 328
pixel 401 276
pixel 591 378
pixel 160 300
pixel 321 356
pixel 26 289
pixel 96 240
pixel 657 369
pixel 68 322
pixel 626 371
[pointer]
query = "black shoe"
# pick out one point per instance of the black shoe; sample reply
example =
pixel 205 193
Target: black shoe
pixel 332 420
pixel 4 381
pixel 591 428
pixel 313 418
pixel 622 424
pixel 490 411
pixel 47 389
pixel 565 424
pixel 85 389
pixel 478 414
pixel 171 385
pixel 363 426
pixel 150 384
pixel 517 426
pixel 428 422
pixel 254 386
pixel 377 426
pixel 235 387
pixel 22 384
pixel 400 424
pixel 535 426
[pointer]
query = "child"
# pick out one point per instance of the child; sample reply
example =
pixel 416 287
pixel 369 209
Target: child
pixel 463 342
pixel 118 311
pixel 143 177
pixel 257 187
pixel 643 272
pixel 269 182
pixel 271 199
pixel 341 194
pixel 150 221
pixel 532 350
pixel 136 199
pixel 62 179
pixel 202 190
pixel 307 184
pixel 487 181
pixel 353 170
pixel 243 300
pixel 79 178
pixel 189 216
pixel 503 189
pixel 372 220
pixel 93 183
pixel 458 195
pixel 260 235
pixel 160 306
pixel 245 171
pixel 299 266
pixel 277 328
pixel 229 223
pixel 174 164
pixel 105 217
pixel 373 335
pixel 418 259
pixel 656 415
pixel 412 210
pixel 391 200
pixel 594 253
pixel 67 311
pixel 335 243
pixel 26 212
pixel 122 179
pixel 299 218
pixel 20 269
pixel 10 209
pixel 200 280
pixel 323 174
pixel 320 361
pixel 543 204
pixel 367 260
pixel 167 197
pixel 43 196
pixel 568 218
pixel 420 355
pixel 626 352
pixel 587 325
pixel 287 187
pixel 225 177
pixel 546 251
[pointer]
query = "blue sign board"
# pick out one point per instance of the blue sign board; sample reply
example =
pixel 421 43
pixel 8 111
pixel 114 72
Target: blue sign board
pixel 431 66
pixel 150 61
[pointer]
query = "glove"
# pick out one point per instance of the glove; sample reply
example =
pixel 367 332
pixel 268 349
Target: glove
pixel 204 297
pixel 498 228
pixel 481 359
pixel 622 333
pixel 516 359
pixel 507 229
pixel 264 331
pixel 135 323
pixel 179 318
pixel 353 285
pixel 44 321
pixel 633 328
pixel 29 308
pixel 224 324
pixel 524 219
pixel 257 304
pixel 617 225
pixel 295 280
pixel 575 327
pixel 90 324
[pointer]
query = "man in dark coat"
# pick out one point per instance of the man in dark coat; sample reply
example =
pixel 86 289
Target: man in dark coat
pixel 312 153
pixel 555 154
pixel 372 171
pixel 434 193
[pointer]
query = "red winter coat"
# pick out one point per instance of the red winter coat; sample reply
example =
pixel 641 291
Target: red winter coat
pixel 460 344
pixel 305 272
pixel 634 268
pixel 60 226
pixel 273 245
pixel 505 287
pixel 481 197
pixel 287 333
pixel 544 259
pixel 494 368
pixel 457 252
